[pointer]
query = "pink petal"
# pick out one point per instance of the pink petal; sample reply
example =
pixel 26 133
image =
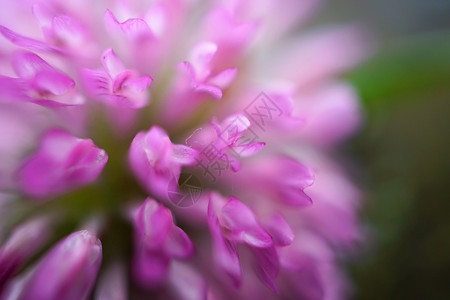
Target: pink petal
pixel 246 150
pixel 232 128
pixel 332 113
pixel 112 63
pixel 117 86
pixel 234 163
pixel 84 163
pixel 267 266
pixel 97 83
pixel 27 42
pixel 52 82
pixel 158 147
pixel 294 195
pixel 350 45
pixel 112 284
pixel 61 163
pixel 152 160
pixel 154 222
pixel 225 252
pixel 178 244
pixel 77 259
pixel 189 81
pixel 45 85
pixel 43 15
pixel 201 57
pixel 280 230
pixel 27 65
pixel 135 29
pixel 24 241
pixel 119 80
pixel 99 86
pixel 209 89
pixel 224 78
pixel 150 268
pixel 186 283
pixel 14 89
pixel 184 155
pixel 240 221
pixel 68 30
pixel 294 177
pixel 138 84
pixel 232 37
pixel 159 17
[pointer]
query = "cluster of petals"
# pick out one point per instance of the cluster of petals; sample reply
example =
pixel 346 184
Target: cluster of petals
pixel 157 241
pixel 97 95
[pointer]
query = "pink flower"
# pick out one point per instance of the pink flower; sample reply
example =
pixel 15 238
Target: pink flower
pixel 203 109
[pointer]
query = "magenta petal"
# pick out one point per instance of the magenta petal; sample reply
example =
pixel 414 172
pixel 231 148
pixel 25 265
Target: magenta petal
pixel 150 268
pixel 225 252
pixel 332 113
pixel 187 73
pixel 117 86
pixel 112 63
pixel 68 30
pixel 186 283
pixel 23 242
pixel 154 223
pixel 76 259
pixel 97 83
pixel 46 85
pixel 138 84
pixel 178 244
pixel 267 266
pixel 295 196
pixel 43 15
pixel 112 284
pixel 240 221
pixel 138 161
pixel 246 150
pixel 158 149
pixel 99 86
pixel 62 162
pixel 27 65
pixel 26 42
pixel 155 161
pixel 184 155
pixel 232 128
pixel 224 78
pixel 119 80
pixel 14 89
pixel 280 230
pixel 85 162
pixel 201 57
pixel 52 82
pixel 212 90
pixel 294 178
pixel 135 29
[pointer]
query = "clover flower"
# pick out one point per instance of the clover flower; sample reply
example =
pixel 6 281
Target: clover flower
pixel 174 149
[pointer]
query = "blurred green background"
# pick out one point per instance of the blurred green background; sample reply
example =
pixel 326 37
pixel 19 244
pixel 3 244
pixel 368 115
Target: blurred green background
pixel 404 147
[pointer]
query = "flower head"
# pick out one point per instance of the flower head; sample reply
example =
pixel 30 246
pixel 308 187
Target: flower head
pixel 205 109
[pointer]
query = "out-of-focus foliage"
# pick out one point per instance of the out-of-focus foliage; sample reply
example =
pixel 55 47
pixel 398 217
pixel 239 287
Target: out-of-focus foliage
pixel 404 149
